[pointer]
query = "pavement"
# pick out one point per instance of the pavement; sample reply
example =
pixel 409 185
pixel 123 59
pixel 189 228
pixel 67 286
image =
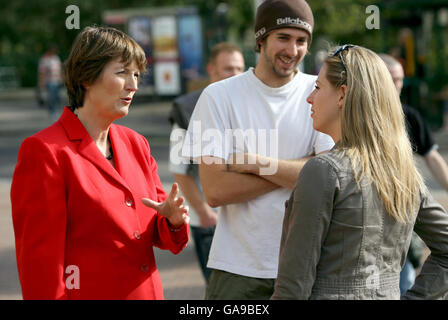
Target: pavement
pixel 21 117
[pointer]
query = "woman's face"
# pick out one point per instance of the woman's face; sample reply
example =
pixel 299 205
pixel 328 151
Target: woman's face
pixel 111 94
pixel 326 105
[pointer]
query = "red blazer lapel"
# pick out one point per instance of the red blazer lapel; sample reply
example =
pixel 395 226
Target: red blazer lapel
pixel 121 147
pixel 87 147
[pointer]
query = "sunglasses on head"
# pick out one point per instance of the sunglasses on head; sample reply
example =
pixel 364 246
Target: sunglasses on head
pixel 338 53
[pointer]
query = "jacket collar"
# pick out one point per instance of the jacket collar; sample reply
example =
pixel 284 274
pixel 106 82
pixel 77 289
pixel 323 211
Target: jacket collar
pixel 72 126
pixel 336 145
pixel 75 130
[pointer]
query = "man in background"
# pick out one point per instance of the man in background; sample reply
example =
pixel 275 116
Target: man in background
pixel 226 60
pixel 423 145
pixel 50 79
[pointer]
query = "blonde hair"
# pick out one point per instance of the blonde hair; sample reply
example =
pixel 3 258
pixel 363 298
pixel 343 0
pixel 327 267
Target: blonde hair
pixel 373 132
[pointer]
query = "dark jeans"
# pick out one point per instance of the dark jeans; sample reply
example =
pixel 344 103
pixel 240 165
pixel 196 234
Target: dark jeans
pixel 202 241
pixel 53 97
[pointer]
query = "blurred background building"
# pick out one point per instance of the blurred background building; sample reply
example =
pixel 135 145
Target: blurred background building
pixel 177 36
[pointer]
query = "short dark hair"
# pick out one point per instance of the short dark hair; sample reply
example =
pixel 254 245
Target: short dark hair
pixel 222 47
pixel 93 48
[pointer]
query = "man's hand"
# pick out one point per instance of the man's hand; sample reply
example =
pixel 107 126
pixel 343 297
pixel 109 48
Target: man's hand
pixel 243 163
pixel 209 218
pixel 283 173
pixel 252 163
pixel 172 208
pixel 233 187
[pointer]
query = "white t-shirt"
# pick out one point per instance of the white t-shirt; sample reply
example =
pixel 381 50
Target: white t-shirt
pixel 51 69
pixel 247 236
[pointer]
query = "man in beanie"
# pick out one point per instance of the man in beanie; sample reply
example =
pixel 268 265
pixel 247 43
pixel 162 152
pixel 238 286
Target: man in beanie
pixel 251 135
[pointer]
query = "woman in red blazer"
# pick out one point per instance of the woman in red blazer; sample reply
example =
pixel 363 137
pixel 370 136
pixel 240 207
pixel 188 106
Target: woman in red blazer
pixel 87 202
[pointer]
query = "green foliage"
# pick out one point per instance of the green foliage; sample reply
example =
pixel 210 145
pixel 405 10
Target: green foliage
pixel 344 21
pixel 27 27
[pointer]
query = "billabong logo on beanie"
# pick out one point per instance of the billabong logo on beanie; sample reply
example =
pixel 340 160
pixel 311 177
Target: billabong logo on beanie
pixel 275 14
pixel 289 20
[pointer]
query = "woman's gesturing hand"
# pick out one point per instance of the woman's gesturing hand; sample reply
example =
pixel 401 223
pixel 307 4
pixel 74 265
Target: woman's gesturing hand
pixel 172 208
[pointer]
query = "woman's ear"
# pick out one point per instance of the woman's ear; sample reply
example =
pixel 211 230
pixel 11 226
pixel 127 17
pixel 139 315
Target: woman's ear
pixel 342 92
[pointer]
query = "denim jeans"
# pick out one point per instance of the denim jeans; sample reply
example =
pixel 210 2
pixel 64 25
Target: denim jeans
pixel 202 241
pixel 407 276
pixel 53 97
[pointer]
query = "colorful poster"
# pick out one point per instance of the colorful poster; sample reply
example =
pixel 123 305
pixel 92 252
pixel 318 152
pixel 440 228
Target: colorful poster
pixel 167 78
pixel 190 45
pixel 165 37
pixel 139 28
pixel 166 56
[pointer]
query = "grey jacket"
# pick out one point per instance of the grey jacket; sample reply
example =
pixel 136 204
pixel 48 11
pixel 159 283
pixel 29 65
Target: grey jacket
pixel 339 242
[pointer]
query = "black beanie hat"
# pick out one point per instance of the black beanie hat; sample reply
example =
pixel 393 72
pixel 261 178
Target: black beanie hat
pixel 276 14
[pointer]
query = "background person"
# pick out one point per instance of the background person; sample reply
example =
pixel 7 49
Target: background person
pixel 82 187
pixel 421 139
pixel 226 60
pixel 268 101
pixel 422 144
pixel 349 220
pixel 50 79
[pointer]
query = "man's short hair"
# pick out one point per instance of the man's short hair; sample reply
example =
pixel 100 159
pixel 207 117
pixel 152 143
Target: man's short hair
pixel 389 60
pixel 222 47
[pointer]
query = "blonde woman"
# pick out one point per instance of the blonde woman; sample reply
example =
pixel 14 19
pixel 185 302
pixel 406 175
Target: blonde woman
pixel 349 219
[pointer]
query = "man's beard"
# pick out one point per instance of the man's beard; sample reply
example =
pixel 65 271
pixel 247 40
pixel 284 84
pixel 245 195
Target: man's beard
pixel 275 69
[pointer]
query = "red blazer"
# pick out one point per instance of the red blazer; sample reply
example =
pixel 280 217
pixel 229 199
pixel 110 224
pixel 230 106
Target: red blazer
pixel 79 221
